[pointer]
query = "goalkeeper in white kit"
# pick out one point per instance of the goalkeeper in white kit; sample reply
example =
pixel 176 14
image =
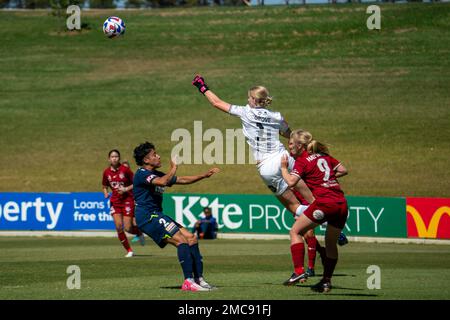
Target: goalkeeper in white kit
pixel 262 128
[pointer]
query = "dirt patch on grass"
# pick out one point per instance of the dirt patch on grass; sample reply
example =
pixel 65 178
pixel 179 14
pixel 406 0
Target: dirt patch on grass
pixel 343 70
pixel 328 9
pixel 404 30
pixel 136 67
pixel 68 33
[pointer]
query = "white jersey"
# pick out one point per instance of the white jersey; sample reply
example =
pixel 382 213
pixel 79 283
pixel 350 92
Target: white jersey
pixel 261 128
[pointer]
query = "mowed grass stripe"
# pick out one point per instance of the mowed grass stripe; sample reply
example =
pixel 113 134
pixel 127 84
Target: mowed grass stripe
pixel 250 269
pixel 380 99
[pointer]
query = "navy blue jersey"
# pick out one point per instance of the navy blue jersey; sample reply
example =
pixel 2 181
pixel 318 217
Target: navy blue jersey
pixel 147 196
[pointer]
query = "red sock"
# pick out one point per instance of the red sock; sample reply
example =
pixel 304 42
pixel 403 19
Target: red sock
pixel 135 230
pixel 124 240
pixel 311 251
pixel 298 254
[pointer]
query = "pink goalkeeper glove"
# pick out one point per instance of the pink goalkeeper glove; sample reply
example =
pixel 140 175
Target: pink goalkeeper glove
pixel 199 82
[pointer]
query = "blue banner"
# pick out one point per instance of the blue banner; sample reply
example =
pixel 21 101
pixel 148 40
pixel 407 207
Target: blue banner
pixel 55 211
pixel 368 216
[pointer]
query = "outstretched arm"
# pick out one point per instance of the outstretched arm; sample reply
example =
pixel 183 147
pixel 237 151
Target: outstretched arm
pixel 213 99
pixel 193 179
pixel 165 179
pixel 217 102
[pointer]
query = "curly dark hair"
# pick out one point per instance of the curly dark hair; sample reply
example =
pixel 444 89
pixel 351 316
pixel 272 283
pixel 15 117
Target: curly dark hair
pixel 141 151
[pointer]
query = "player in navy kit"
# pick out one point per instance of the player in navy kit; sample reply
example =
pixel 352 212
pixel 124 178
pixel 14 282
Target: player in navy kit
pixel 148 188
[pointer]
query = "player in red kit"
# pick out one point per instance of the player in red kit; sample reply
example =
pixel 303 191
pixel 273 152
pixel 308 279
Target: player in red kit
pixel 119 178
pixel 319 171
pixel 298 249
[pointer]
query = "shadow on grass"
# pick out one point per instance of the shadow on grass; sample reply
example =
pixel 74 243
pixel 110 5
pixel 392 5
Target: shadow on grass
pixel 333 287
pixel 343 294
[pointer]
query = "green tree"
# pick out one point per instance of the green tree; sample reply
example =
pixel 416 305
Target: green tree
pixel 135 3
pixel 4 3
pixel 34 4
pixel 59 7
pixel 103 4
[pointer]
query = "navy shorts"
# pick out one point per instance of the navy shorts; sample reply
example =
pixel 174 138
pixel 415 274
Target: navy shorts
pixel 160 227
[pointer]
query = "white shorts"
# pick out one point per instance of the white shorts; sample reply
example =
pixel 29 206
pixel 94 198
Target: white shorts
pixel 270 171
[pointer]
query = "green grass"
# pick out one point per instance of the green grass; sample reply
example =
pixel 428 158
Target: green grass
pixel 380 99
pixel 35 268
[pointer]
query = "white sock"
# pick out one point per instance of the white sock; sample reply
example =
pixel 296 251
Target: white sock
pixel 301 208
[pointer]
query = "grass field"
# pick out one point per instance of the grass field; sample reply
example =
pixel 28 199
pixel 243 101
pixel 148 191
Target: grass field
pixel 381 99
pixel 35 268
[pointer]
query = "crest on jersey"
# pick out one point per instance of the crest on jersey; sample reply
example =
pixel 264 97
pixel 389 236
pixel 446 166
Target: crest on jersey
pixel 121 175
pixel 150 177
pixel 318 214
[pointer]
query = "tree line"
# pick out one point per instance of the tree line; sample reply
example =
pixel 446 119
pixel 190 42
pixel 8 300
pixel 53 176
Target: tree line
pixel 108 4
pixel 39 4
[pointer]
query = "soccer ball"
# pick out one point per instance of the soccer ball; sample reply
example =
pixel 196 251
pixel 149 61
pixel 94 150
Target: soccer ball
pixel 113 27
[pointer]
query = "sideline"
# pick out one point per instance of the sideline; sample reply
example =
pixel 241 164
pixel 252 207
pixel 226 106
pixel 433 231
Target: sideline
pixel 252 236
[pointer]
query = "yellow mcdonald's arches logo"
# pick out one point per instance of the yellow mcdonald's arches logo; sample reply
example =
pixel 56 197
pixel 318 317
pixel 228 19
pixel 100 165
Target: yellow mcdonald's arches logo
pixel 432 229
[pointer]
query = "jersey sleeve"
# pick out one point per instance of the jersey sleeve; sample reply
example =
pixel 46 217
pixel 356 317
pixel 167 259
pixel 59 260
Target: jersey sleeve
pixel 284 126
pixel 172 181
pixel 237 111
pixel 334 163
pixel 149 177
pixel 299 168
pixel 105 181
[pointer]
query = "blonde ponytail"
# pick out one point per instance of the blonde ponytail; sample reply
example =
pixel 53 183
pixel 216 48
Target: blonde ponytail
pixel 305 139
pixel 317 147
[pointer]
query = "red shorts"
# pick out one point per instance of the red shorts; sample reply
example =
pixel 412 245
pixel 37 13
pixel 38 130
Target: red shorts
pixel 125 209
pixel 335 213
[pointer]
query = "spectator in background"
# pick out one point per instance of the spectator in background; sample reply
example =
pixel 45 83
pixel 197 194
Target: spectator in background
pixel 206 228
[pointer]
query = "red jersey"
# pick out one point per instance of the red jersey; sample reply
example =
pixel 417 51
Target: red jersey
pixel 318 172
pixel 114 178
pixel 297 194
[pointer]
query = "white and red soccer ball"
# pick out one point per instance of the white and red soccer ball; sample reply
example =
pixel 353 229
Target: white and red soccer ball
pixel 113 27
